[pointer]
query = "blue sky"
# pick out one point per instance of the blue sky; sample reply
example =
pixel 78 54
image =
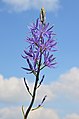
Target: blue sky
pixel 13 31
pixel 15 16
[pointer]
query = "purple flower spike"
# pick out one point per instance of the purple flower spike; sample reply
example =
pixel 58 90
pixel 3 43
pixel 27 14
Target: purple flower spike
pixel 41 42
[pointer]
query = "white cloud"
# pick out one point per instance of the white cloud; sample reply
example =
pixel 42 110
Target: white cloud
pixel 17 5
pixel 15 113
pixel 44 114
pixel 72 116
pixel 22 5
pixel 10 113
pixel 13 90
pixel 68 84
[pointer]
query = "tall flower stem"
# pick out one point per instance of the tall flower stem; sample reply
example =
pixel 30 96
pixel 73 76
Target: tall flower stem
pixel 34 90
pixel 38 55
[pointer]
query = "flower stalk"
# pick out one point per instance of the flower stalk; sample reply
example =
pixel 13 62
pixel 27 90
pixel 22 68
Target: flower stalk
pixel 38 56
pixel 34 91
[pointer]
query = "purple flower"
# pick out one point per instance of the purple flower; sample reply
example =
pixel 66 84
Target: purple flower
pixel 41 43
pixel 49 60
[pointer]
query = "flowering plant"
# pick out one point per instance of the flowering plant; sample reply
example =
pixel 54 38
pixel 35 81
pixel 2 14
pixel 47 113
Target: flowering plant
pixel 39 54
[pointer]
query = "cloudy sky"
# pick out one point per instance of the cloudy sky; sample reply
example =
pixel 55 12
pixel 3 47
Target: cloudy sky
pixel 61 84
